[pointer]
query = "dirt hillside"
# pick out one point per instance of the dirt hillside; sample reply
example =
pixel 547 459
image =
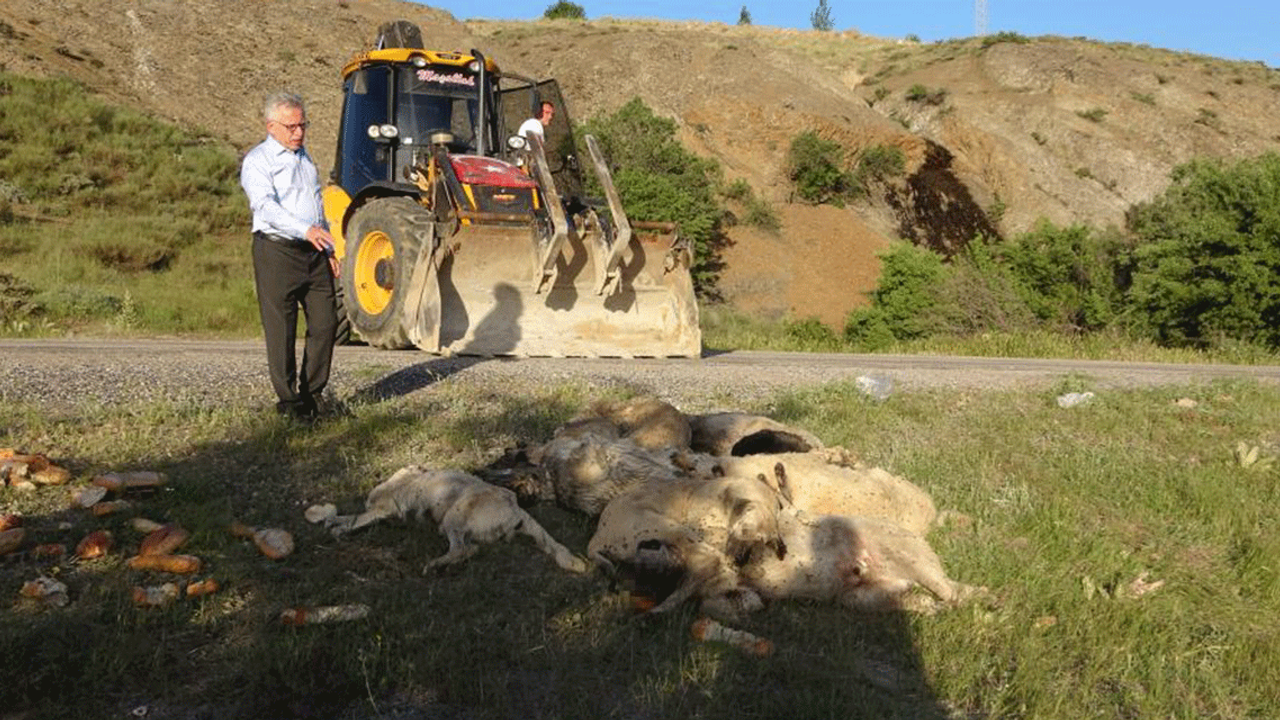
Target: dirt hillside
pixel 1008 129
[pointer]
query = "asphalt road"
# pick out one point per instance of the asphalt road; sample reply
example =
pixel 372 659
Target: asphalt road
pixel 69 371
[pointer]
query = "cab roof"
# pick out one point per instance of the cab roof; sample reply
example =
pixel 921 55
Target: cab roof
pixel 404 56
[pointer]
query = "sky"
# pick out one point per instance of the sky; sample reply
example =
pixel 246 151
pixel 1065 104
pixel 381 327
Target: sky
pixel 1232 29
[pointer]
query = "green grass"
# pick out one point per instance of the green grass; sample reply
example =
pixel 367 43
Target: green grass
pixel 112 222
pixel 723 329
pixel 1065 508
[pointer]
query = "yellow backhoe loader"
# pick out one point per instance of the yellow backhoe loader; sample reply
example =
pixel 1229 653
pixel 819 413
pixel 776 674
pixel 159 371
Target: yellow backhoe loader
pixel 458 236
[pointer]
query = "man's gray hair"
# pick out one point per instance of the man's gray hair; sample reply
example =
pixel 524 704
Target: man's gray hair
pixel 282 100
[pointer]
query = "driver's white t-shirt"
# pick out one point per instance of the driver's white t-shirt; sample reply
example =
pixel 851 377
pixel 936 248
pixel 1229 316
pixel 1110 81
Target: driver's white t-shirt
pixel 532 125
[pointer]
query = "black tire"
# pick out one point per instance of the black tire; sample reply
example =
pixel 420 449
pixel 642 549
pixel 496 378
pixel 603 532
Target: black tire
pixel 383 242
pixel 343 334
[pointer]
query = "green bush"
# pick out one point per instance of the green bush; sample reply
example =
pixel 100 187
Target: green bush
pixel 565 10
pixel 978 293
pixel 761 214
pixel 1003 37
pixel 1092 114
pixel 1207 265
pixel 659 179
pixel 879 162
pixel 812 334
pixel 1067 277
pixel 816 166
pixel 904 298
pixel 867 329
pixel 921 94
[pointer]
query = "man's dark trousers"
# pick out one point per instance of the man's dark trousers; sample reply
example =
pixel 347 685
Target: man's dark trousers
pixel 289 273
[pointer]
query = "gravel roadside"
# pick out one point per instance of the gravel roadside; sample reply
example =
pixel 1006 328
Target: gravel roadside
pixel 64 373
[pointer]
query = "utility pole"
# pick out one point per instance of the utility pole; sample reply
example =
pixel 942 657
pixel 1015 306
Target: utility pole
pixel 980 17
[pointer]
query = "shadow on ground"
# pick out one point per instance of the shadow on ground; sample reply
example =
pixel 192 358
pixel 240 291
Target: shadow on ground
pixel 506 635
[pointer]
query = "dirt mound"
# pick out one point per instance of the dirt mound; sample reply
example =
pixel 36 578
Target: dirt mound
pixel 997 132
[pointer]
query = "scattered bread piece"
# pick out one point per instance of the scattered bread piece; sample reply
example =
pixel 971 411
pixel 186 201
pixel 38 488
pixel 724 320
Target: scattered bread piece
pixel 47 590
pixel 156 595
pixel 326 614
pixel 49 551
pixel 110 506
pixel 163 540
pixel 202 587
pixel 182 564
pixel 144 525
pixel 272 542
pixel 11 539
pixel 94 545
pixel 87 496
pixel 320 513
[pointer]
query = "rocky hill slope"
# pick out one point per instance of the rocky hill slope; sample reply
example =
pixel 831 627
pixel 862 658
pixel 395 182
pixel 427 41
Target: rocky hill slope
pixel 998 131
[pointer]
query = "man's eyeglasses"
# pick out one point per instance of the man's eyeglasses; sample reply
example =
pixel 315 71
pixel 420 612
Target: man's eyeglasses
pixel 292 127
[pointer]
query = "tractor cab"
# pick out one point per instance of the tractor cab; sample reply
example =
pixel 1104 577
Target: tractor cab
pixel 400 103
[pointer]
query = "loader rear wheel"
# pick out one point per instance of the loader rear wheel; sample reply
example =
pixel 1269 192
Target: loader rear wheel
pixel 342 336
pixel 383 243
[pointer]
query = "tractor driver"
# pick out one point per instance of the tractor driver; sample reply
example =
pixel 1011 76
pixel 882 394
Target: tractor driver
pixel 293 260
pixel 536 125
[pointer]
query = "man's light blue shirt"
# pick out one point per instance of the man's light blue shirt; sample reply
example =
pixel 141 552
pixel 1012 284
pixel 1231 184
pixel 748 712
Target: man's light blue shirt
pixel 283 187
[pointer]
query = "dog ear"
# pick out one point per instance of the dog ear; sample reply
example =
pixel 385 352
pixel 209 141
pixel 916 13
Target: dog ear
pixel 784 488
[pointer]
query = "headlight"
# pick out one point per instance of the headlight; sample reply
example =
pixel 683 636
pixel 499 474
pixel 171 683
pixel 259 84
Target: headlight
pixel 388 131
pixel 515 142
pixel 419 61
pixel 474 66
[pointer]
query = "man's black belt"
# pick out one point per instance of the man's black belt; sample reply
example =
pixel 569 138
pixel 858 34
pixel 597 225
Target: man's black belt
pixel 259 235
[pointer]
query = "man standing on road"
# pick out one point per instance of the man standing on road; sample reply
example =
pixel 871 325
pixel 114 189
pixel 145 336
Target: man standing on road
pixel 293 261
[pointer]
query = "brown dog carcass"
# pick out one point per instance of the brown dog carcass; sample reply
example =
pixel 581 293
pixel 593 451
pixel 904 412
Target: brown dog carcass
pixel 467 510
pixel 587 469
pixel 645 420
pixel 686 538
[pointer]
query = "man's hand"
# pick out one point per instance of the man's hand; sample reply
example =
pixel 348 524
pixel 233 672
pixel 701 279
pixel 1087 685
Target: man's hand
pixel 321 240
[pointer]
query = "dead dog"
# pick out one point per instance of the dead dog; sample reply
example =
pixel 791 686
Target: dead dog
pixel 738 434
pixel 587 470
pixel 861 563
pixel 467 510
pixel 819 487
pixel 649 422
pixel 686 538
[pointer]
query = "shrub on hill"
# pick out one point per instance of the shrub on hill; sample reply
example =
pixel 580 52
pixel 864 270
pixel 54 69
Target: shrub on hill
pixel 1200 267
pixel 1207 264
pixel 816 166
pixel 659 179
pixel 565 10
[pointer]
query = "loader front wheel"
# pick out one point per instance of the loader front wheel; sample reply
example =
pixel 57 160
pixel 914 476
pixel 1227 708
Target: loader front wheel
pixel 383 243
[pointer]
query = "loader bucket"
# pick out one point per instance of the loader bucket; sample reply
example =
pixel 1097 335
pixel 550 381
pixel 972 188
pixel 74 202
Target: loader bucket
pixel 495 299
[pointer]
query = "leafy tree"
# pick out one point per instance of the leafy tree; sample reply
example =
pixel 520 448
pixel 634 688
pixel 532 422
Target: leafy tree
pixel 821 17
pixel 565 10
pixel 1207 265
pixel 816 166
pixel 659 179
pixel 744 17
